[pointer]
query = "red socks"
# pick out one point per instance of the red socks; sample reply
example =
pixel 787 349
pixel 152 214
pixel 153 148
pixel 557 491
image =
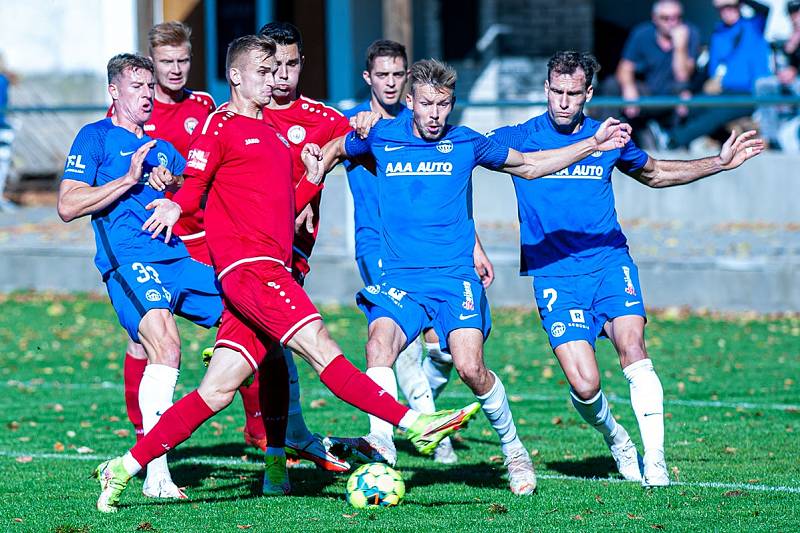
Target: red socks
pixel 356 388
pixel 273 378
pixel 253 424
pixel 133 370
pixel 175 426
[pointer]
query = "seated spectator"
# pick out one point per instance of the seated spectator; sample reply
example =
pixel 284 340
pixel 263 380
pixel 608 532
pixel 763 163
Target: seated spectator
pixel 779 123
pixel 738 56
pixel 658 59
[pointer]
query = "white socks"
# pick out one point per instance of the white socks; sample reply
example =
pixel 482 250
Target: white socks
pixel 596 413
pixel 412 381
pixel 495 406
pixel 647 400
pixel 296 429
pixel 384 377
pixel 437 367
pixel 155 397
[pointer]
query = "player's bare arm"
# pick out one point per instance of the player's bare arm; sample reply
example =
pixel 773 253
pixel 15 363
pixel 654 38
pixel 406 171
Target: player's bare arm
pixel 363 122
pixel 657 173
pixel 165 215
pixel 483 266
pixel 77 198
pixel 531 165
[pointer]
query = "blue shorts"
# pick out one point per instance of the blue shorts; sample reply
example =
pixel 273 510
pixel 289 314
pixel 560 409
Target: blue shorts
pixel 577 308
pixel 446 299
pixel 186 287
pixel 370 268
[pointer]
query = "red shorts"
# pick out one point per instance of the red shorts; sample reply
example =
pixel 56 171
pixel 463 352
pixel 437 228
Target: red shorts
pixel 197 247
pixel 262 304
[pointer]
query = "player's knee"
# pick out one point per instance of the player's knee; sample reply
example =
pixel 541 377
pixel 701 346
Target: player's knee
pixel 585 389
pixel 472 372
pixel 167 352
pixel 631 351
pixel 379 352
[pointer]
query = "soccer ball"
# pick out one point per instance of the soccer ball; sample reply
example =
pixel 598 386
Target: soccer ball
pixel 375 485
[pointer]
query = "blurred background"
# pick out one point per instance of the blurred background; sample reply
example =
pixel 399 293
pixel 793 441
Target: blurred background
pixel 729 243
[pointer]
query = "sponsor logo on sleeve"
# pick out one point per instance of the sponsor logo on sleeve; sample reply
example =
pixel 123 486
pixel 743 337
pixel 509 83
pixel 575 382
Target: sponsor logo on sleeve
pixel 74 164
pixel 198 159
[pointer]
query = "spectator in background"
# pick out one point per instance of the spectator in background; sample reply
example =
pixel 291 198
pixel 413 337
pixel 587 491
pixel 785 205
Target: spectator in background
pixel 738 56
pixel 6 135
pixel 658 59
pixel 779 124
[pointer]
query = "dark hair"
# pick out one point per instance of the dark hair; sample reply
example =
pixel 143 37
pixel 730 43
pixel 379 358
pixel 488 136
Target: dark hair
pixel 283 33
pixel 792 6
pixel 434 73
pixel 244 45
pixel 569 61
pixel 118 64
pixel 385 48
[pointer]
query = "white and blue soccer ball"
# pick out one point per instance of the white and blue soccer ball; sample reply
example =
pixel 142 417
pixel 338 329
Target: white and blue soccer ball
pixel 375 485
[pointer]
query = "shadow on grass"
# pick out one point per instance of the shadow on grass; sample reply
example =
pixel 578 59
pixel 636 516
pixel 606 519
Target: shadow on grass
pixel 590 467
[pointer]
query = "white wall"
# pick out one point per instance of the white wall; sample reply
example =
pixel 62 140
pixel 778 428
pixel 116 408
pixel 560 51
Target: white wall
pixel 65 36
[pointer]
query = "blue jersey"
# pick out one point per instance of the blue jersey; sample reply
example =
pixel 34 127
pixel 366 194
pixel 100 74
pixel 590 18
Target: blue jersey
pixel 102 153
pixel 364 188
pixel 568 223
pixel 424 191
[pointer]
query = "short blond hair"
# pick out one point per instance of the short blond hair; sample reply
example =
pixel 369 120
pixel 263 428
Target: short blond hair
pixel 433 72
pixel 169 34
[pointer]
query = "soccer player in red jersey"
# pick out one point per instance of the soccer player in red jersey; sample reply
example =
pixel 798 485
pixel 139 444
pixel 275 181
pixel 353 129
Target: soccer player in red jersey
pixel 245 166
pixel 300 120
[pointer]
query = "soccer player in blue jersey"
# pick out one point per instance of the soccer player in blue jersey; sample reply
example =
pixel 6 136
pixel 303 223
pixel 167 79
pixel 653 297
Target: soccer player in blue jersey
pixel 424 169
pixel 115 173
pixel 585 282
pixel 386 74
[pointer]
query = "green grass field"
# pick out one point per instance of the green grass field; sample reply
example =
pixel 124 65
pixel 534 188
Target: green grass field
pixel 731 396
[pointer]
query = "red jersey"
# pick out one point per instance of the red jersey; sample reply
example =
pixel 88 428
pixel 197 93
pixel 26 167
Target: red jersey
pixel 175 124
pixel 306 121
pixel 245 166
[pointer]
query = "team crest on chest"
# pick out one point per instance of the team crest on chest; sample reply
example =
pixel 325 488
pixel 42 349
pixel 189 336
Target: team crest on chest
pixel 162 159
pixel 445 146
pixel 190 124
pixel 296 134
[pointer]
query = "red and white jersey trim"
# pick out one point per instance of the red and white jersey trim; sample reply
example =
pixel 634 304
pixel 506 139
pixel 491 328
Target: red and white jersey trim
pixel 300 323
pixel 250 260
pixel 193 236
pixel 239 348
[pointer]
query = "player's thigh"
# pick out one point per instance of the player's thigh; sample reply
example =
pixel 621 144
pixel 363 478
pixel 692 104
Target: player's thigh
pixel 270 299
pixel 237 334
pixel 564 304
pixel 225 374
pixel 627 335
pixel 385 341
pixel 160 338
pixel 198 298
pixel 458 301
pixel 390 300
pixel 578 361
pixel 134 290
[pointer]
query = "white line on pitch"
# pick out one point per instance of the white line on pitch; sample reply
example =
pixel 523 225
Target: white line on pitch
pixel 107 385
pixel 556 477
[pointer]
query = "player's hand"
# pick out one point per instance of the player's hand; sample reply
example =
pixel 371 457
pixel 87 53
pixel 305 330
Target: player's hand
pixel 483 266
pixel 312 159
pixel 137 160
pixel 165 214
pixel 612 134
pixel 304 220
pixel 160 178
pixel 362 122
pixel 738 149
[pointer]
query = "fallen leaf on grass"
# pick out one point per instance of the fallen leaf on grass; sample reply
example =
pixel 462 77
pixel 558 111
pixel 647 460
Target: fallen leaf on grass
pixel 13 425
pixel 497 508
pixel 577 517
pixel 122 433
pixel 515 398
pixel 676 473
pixel 71 434
pixel 84 449
pixel 24 459
pixel 495 458
pixel 144 526
pixel 113 418
pixel 243 526
pixel 551 511
pixel 656 526
pixel 58 408
pixel 733 493
pixel 217 428
pixel 350 515
pixel 730 450
pixel 556 420
pixel 632 516
pixel 18 520
pixel 599 499
pixel 547 372
pixel 59 447
pixel 751 481
pixel 316 404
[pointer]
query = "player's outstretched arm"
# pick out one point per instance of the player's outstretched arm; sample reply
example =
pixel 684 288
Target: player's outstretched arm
pixel 333 153
pixel 77 198
pixel 659 173
pixel 165 215
pixel 531 165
